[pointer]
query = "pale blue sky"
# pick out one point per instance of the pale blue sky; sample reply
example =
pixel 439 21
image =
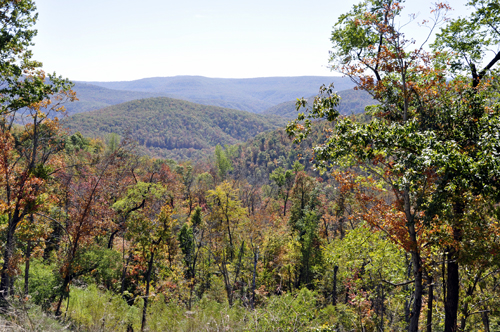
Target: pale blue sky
pixel 111 40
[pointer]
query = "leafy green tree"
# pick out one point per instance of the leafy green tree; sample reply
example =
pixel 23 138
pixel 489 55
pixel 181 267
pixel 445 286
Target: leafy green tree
pixel 431 167
pixel 190 239
pixel 469 40
pixel 224 224
pixel 304 220
pixel 370 268
pixel 222 162
pixel 284 180
pixel 152 233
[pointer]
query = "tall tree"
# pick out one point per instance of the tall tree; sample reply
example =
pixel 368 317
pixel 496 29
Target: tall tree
pixel 26 155
pixel 431 139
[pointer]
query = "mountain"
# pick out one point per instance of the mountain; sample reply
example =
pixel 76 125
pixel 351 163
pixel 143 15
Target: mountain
pixel 249 94
pixel 172 128
pixel 93 97
pixel 352 102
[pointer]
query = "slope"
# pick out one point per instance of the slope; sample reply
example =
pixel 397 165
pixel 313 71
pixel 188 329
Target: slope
pixel 93 97
pixel 352 102
pixel 172 128
pixel 249 94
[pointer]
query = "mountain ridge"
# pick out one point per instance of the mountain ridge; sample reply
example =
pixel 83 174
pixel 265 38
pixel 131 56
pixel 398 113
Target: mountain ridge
pixel 248 94
pixel 172 128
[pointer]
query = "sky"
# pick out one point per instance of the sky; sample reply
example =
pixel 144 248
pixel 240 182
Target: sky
pixel 123 40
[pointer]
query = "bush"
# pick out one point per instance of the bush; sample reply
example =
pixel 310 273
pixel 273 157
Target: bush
pixel 95 310
pixel 43 282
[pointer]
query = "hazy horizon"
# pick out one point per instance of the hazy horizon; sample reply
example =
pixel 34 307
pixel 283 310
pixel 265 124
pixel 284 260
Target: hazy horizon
pixel 109 40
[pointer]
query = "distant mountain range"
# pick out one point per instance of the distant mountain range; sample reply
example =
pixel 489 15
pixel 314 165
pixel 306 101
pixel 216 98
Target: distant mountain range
pixel 172 128
pixel 93 97
pixel 250 94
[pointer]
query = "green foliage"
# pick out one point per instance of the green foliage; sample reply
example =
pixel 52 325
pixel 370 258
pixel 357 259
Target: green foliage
pixel 171 128
pixel 139 192
pixel 91 309
pixel 290 312
pixel 187 245
pixel 256 159
pixel 280 176
pixel 222 162
pixel 22 84
pixel 102 266
pixel 468 40
pixel 366 250
pixel 112 142
pixel 214 237
pixel 76 142
pixel 43 282
pixel 196 217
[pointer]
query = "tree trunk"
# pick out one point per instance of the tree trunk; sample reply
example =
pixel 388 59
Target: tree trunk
pixel 27 269
pixel 485 319
pixel 255 259
pixel 334 289
pixel 227 282
pixel 7 256
pixel 64 292
pixel 452 292
pixel 112 238
pixel 382 309
pixel 453 281
pixel 146 298
pixel 417 267
pixel 429 305
pixel 286 201
pixel 417 301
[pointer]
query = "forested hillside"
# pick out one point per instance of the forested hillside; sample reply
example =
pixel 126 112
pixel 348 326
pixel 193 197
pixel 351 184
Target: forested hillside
pixel 252 94
pixel 352 102
pixel 172 128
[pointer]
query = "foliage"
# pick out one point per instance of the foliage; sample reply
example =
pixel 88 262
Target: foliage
pixel 171 128
pixel 431 139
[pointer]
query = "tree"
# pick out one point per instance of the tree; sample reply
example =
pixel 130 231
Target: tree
pixel 153 233
pixel 223 221
pixel 467 40
pixel 190 239
pixel 304 222
pixel 26 155
pixel 222 162
pixel 284 181
pixel 431 139
pixel 85 210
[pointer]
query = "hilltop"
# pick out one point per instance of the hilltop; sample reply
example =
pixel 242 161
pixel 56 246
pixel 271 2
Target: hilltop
pixel 93 97
pixel 172 128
